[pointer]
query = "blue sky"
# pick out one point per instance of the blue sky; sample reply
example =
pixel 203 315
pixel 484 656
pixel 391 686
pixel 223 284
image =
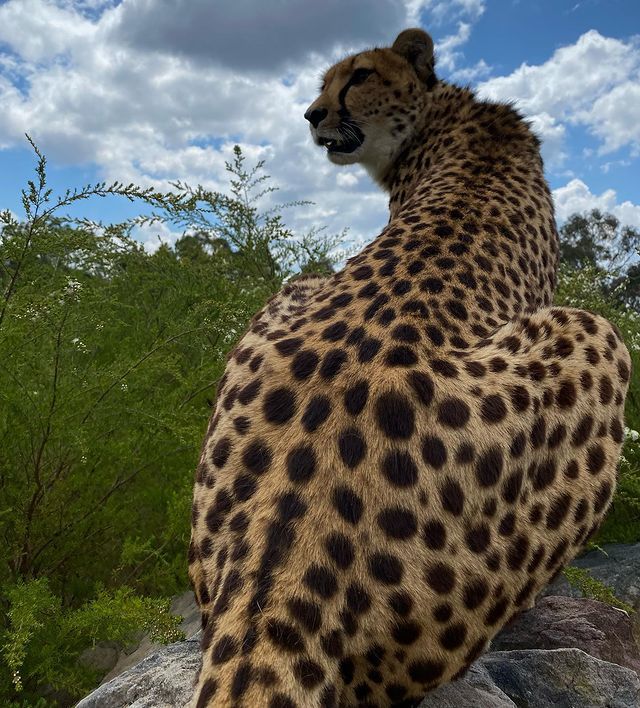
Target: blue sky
pixel 511 33
pixel 154 92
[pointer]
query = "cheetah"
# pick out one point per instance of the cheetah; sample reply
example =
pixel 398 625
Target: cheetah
pixel 403 454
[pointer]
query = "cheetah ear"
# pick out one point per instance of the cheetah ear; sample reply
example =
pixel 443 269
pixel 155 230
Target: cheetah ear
pixel 416 46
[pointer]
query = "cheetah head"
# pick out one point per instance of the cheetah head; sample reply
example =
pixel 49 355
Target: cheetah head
pixel 369 102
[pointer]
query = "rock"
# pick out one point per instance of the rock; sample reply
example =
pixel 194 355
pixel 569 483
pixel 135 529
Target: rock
pixel 536 677
pixel 162 680
pixel 557 678
pixel 617 565
pixel 185 606
pixel 182 605
pixel 564 653
pixel 564 622
pixel 562 678
pixel 476 689
pixel 101 657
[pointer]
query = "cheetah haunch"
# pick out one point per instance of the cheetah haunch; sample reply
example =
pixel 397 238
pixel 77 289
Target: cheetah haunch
pixel 402 455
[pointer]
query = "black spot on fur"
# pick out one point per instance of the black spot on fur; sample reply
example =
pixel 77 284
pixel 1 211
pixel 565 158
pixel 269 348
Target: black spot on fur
pixel 285 636
pixel 434 453
pixel 352 447
pixel 348 504
pixel 398 523
pixel 355 398
pixel 301 464
pixel 340 550
pixel 399 469
pixel 395 415
pixel 385 568
pixel 279 405
pixel 488 467
pixel 320 580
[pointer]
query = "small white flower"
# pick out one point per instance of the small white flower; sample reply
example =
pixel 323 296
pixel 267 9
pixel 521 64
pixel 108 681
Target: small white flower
pixel 73 287
pixel 632 435
pixel 79 344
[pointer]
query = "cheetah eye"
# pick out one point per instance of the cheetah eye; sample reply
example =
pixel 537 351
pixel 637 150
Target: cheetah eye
pixel 359 76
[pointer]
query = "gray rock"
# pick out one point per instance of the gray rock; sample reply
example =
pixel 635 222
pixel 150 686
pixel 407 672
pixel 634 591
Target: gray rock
pixel 562 678
pixel 476 689
pixel 185 606
pixel 101 657
pixel 182 605
pixel 532 678
pixel 534 663
pixel 162 680
pixel 617 565
pixel 564 622
pixel 538 678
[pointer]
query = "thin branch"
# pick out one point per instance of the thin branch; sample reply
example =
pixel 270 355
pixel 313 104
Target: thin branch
pixel 132 368
pixel 118 484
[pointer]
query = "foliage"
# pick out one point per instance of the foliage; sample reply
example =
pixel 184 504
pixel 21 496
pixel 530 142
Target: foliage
pixel 263 247
pixel 599 241
pixel 601 273
pixel 588 586
pixel 110 357
pixel 37 622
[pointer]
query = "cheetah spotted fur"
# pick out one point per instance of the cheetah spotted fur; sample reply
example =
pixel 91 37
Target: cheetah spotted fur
pixel 403 454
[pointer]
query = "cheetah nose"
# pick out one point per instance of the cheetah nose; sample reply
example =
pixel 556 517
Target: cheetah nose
pixel 315 116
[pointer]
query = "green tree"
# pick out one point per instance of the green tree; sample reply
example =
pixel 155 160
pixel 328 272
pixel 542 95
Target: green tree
pixel 598 240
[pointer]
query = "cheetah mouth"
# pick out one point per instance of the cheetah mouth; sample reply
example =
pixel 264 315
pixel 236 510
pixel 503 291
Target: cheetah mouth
pixel 349 140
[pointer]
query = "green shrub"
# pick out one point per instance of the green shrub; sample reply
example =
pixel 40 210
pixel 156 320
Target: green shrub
pixel 110 359
pixel 44 640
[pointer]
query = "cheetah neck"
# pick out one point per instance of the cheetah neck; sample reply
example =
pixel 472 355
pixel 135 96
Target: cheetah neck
pixel 456 133
pixel 471 216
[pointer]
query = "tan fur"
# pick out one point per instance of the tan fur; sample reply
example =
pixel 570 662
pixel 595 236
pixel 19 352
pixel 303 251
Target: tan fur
pixel 403 454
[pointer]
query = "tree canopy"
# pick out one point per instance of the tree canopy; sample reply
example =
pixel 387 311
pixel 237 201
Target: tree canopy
pixel 599 241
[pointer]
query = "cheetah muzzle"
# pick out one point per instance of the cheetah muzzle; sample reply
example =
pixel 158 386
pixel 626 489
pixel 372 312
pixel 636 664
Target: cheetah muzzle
pixel 403 455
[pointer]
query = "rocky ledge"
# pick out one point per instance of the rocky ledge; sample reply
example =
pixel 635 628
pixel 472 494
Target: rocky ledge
pixel 564 653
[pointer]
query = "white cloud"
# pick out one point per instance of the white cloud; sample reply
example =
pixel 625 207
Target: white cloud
pixel 573 76
pixel 91 8
pixel 90 85
pixel 148 116
pixel 447 54
pixel 445 10
pixel 39 30
pixel 471 73
pixel 253 35
pixel 614 117
pixel 552 133
pixel 152 236
pixel 593 83
pixel 612 164
pixel 414 8
pixel 576 196
pixel 346 179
